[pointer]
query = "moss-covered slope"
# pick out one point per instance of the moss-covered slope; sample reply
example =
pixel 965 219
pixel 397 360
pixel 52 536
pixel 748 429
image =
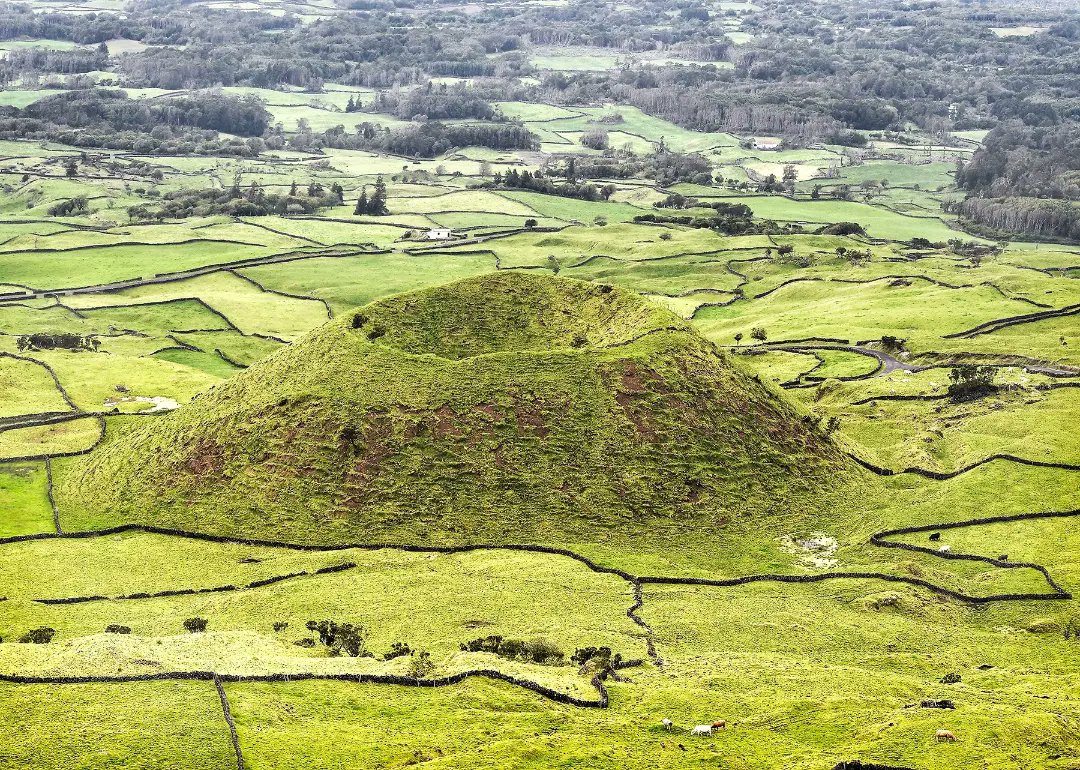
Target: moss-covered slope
pixel 501 408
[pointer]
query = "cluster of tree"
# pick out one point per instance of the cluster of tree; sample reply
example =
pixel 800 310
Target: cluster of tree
pixel 538 650
pixel 1039 217
pixel 810 69
pixel 968 382
pixel 535 181
pixel 338 638
pixel 66 62
pixel 180 125
pixel 101 108
pixel 425 140
pixel 729 219
pixel 1018 160
pixel 434 103
pixel 663 166
pixel 250 202
pixel 22 20
pixel 676 201
pixel 66 208
pixel 818 70
pixel 375 205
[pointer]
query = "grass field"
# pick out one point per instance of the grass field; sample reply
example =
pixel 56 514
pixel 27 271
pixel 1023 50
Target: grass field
pixel 697 409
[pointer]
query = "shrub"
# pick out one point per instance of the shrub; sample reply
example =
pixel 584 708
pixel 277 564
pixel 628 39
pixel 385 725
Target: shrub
pixel 42 635
pixel 398 650
pixel 950 678
pixel 530 223
pixel 759 334
pixel 541 650
pixel 113 628
pixel 421 665
pixel 889 342
pixel 341 637
pixel 195 625
pixel 842 228
pixel 596 659
pixel 280 625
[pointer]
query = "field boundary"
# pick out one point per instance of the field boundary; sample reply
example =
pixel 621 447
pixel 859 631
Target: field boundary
pixel 876 539
pixel 597 683
pixel 229 721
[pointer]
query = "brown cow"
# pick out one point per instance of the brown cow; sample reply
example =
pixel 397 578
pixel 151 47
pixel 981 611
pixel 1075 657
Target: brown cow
pixel 945 735
pixel 720 724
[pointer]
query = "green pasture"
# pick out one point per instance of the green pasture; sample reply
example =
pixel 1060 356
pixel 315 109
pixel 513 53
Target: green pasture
pixel 807 675
pixel 26 504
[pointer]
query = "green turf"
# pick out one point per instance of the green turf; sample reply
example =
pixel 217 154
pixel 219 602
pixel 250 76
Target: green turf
pixel 475 417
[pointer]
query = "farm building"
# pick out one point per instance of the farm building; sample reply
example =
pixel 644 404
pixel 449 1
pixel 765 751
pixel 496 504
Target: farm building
pixel 767 143
pixel 438 234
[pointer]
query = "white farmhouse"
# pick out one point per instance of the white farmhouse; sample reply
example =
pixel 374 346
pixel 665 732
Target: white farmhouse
pixel 438 234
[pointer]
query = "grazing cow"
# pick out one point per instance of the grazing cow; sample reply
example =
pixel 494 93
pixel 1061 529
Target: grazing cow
pixel 702 730
pixel 945 549
pixel 667 723
pixel 945 735
pixel 1003 557
pixel 935 536
pixel 720 724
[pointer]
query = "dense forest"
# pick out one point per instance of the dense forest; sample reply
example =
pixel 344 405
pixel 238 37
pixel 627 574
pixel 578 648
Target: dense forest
pixel 181 125
pixel 1026 178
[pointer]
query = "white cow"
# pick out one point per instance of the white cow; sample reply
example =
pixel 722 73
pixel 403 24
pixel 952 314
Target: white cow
pixel 945 549
pixel 702 730
pixel 667 723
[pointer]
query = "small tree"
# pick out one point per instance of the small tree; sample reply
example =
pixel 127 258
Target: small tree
pixel 530 223
pixel 595 139
pixel 377 204
pixel 362 203
pixel 738 338
pixel 759 334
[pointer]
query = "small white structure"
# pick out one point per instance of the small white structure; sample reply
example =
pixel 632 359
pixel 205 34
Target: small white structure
pixel 767 143
pixel 439 234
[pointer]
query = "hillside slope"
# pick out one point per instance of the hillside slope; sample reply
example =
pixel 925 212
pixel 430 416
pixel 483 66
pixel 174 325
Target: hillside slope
pixel 508 407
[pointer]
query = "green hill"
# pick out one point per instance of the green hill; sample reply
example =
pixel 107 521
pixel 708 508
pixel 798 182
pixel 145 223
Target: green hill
pixel 508 407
